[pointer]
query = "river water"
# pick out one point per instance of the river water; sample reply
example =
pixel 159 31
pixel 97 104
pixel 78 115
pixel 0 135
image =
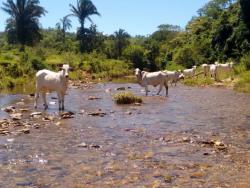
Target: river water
pixel 166 142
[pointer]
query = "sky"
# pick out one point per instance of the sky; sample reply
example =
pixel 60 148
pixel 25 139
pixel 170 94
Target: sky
pixel 137 17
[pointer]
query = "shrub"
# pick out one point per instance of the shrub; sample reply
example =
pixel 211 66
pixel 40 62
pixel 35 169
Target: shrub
pixel 243 85
pixel 126 98
pixel 37 64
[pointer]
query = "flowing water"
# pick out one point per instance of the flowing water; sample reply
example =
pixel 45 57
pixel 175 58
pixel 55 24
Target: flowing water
pixel 166 142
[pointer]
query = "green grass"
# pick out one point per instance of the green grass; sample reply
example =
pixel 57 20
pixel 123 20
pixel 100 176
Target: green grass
pixel 173 67
pixel 200 81
pixel 243 85
pixel 126 98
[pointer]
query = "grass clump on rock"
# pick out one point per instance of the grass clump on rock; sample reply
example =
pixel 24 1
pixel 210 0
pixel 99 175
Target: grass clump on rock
pixel 126 98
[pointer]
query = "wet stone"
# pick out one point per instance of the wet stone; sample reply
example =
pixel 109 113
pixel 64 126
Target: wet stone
pixel 34 114
pixel 95 146
pixel 20 103
pixel 67 115
pixel 25 131
pixel 97 113
pixel 16 116
pixel 48 118
pixel 91 98
pixel 9 109
pixel 128 113
pixel 121 89
pixel 4 132
pixel 82 145
pixel 24 110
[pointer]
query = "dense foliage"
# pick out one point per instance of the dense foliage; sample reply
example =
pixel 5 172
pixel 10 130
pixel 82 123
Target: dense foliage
pixel 219 32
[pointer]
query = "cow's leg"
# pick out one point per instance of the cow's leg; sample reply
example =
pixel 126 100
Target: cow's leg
pixel 146 89
pixel 36 98
pixel 166 87
pixel 161 85
pixel 63 94
pixel 44 100
pixel 59 100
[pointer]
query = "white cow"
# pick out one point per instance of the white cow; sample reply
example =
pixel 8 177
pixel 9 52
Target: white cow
pixel 47 81
pixel 226 68
pixel 206 69
pixel 152 78
pixel 174 76
pixel 213 70
pixel 189 72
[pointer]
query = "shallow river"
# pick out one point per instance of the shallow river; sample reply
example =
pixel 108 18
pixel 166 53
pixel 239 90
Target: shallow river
pixel 197 137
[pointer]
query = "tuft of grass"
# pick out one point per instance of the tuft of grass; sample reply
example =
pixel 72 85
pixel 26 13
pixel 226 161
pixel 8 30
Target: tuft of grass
pixel 198 81
pixel 126 98
pixel 243 85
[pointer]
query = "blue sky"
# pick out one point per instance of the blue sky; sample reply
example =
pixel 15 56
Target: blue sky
pixel 137 17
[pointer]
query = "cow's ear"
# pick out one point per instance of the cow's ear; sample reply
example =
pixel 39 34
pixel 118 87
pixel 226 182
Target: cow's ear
pixel 60 68
pixel 71 69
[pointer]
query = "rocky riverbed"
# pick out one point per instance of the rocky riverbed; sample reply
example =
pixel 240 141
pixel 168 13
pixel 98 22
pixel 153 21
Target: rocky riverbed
pixel 197 137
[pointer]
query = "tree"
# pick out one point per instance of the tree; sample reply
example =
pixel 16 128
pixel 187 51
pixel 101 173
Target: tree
pixel 63 26
pixel 121 41
pixel 23 25
pixel 245 13
pixel 135 54
pixel 165 33
pixel 83 10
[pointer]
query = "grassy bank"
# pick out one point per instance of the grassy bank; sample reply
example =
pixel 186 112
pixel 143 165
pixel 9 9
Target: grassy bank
pixel 243 85
pixel 19 68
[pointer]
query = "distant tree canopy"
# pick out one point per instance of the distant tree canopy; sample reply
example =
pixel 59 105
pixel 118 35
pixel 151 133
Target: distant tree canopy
pixel 23 25
pixel 83 10
pixel 220 32
pixel 63 26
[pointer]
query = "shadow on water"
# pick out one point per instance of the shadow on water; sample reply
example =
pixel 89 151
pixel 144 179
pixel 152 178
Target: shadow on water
pixel 165 142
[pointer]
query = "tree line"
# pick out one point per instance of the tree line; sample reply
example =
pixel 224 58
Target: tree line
pixel 219 32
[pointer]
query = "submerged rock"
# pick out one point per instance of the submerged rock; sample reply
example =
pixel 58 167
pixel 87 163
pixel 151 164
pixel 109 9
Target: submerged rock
pixel 9 109
pixel 25 131
pixel 97 113
pixel 16 116
pixel 36 114
pixel 82 145
pixel 4 132
pixel 91 98
pixel 67 115
pixel 121 89
pixel 24 110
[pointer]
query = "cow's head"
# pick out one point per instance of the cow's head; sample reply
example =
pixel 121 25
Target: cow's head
pixel 137 72
pixel 65 69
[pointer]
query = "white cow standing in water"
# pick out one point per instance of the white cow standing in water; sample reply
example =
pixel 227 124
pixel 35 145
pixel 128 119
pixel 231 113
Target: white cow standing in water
pixel 47 81
pixel 174 76
pixel 189 72
pixel 206 69
pixel 152 78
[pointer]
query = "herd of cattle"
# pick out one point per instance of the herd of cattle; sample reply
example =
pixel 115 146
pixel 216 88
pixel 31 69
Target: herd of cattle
pixel 47 80
pixel 163 77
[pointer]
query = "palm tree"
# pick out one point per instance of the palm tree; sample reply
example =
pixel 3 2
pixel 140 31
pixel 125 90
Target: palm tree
pixel 23 24
pixel 83 10
pixel 121 41
pixel 64 25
